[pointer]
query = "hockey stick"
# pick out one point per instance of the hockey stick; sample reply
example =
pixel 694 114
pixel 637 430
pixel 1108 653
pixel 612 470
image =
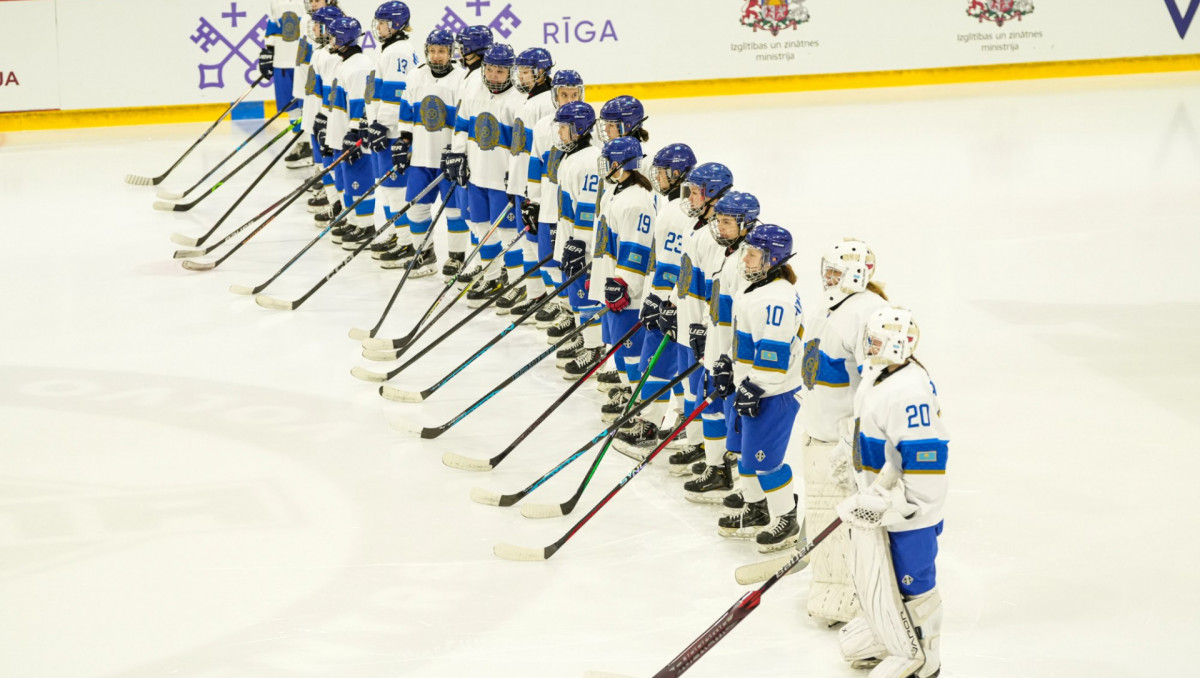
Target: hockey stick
pixel 242 289
pixel 434 432
pixel 164 206
pixel 756 572
pixel 740 610
pixel 455 460
pixel 360 334
pixel 483 496
pixel 375 343
pixel 189 241
pixel 295 195
pixel 406 396
pixel 192 253
pixel 139 180
pixel 173 195
pixel 510 552
pixel 556 510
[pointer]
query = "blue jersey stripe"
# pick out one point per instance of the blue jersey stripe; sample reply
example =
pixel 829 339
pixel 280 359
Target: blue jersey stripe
pixel 924 456
pixel 871 452
pixel 772 355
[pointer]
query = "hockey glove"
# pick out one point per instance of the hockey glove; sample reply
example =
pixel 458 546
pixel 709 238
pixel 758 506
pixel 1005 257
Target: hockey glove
pixel 376 137
pixel 651 308
pixel 455 167
pixel 616 294
pixel 574 253
pixel 697 334
pixel 402 154
pixel 876 506
pixel 319 124
pixel 668 321
pixel 722 375
pixel 350 143
pixel 266 62
pixel 530 211
pixel 748 399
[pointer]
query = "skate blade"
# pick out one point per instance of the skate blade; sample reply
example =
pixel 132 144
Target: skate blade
pixel 788 543
pixel 681 471
pixel 739 532
pixel 632 451
pixel 699 498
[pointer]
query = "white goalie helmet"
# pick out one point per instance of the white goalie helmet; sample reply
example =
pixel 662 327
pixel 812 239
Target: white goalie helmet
pixel 889 338
pixel 846 269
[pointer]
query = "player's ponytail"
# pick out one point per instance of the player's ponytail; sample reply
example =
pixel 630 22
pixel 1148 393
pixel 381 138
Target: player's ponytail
pixel 641 135
pixel 787 273
pixel 877 288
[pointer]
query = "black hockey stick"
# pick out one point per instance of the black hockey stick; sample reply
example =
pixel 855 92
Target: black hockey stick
pixel 564 508
pixel 510 552
pixel 740 610
pixel 295 195
pixel 139 180
pixel 173 195
pixel 377 344
pixel 242 289
pixel 483 496
pixel 435 431
pixel 358 334
pixel 410 397
pixel 164 206
pixel 455 460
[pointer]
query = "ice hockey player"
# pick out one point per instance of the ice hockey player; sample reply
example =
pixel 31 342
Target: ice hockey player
pixel 900 454
pixel 542 191
pixel 624 116
pixel 831 378
pixel 578 183
pixel 278 57
pixel 532 79
pixel 702 189
pixel 472 42
pixel 427 117
pixel 347 128
pixel 305 154
pixel 395 62
pixel 761 374
pixel 324 61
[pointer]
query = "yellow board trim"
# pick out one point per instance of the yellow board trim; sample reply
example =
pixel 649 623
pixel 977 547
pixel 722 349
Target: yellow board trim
pixel 157 115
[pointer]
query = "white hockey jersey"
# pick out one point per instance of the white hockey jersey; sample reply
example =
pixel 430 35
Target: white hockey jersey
pixel 670 225
pixel 429 112
pixel 830 364
pixel 727 282
pixel 624 240
pixel 324 64
pixel 542 177
pixel 536 106
pixel 284 29
pixel 900 423
pixel 348 99
pixel 304 86
pixel 395 62
pixel 768 333
pixel 578 181
pixel 701 256
pixel 485 132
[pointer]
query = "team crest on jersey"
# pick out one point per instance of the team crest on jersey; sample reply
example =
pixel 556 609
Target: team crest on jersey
pixel 369 95
pixel 857 447
pixel 812 363
pixel 487 131
pixel 999 11
pixel 520 138
pixel 289 26
pixel 714 303
pixel 552 163
pixel 310 85
pixel 433 114
pixel 685 277
pixel 603 237
pixel 773 15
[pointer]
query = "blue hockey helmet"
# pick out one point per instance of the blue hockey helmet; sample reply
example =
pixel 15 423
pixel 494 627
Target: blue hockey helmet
pixel 345 31
pixel 626 112
pixel 442 38
pixel 744 209
pixel 774 245
pixel 318 30
pixel 535 62
pixel 499 55
pixel 394 15
pixel 474 40
pixel 566 79
pixel 704 186
pixel 308 5
pixel 577 118
pixel 675 161
pixel 622 153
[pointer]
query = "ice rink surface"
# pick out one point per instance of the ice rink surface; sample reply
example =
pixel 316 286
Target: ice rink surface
pixel 194 486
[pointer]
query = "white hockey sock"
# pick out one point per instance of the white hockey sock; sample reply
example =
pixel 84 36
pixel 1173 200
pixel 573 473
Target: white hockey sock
pixel 781 500
pixel 714 451
pixel 751 489
pixel 592 336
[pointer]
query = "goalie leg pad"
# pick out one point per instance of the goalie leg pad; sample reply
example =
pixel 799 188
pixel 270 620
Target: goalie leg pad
pixel 859 646
pixel 831 594
pixel 883 609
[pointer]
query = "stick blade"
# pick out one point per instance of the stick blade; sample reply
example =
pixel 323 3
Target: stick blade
pixel 542 511
pixel 267 301
pixel 486 497
pixel 378 356
pixel 138 180
pixel 367 375
pixel 756 573
pixel 185 240
pixel 199 265
pixel 358 333
pixel 401 396
pixel 404 426
pixel 168 195
pixel 604 674
pixel 462 463
pixel 163 206
pixel 378 344
pixel 520 553
pixel 188 254
pixel 242 290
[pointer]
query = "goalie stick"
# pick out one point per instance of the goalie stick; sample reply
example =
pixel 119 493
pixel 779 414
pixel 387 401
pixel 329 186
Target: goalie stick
pixel 740 610
pixel 511 552
pixel 434 432
pixel 164 206
pixel 482 496
pixel 562 509
pixel 756 572
pixel 174 195
pixel 189 241
pixel 139 180
pixel 455 460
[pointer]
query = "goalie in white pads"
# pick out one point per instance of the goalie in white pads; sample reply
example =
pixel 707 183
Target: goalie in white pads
pixel 900 452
